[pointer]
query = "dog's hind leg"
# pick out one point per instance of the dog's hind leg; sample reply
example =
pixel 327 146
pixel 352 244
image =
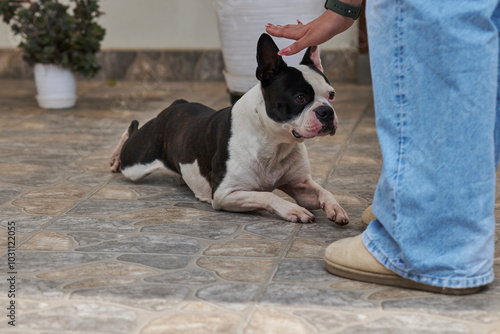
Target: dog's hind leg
pixel 114 161
pixel 138 171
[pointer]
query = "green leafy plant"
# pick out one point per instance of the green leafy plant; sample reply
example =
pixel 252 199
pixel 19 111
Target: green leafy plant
pixel 50 34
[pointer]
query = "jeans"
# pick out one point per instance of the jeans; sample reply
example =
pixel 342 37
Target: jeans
pixel 435 81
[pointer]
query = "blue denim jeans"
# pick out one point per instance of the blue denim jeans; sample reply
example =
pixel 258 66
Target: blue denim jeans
pixel 435 81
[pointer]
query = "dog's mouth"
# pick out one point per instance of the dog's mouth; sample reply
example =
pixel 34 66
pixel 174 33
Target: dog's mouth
pixel 325 130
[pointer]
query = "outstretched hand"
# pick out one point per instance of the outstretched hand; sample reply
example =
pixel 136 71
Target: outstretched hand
pixel 316 32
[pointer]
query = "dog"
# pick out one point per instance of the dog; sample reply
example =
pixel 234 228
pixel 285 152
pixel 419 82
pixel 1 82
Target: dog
pixel 235 157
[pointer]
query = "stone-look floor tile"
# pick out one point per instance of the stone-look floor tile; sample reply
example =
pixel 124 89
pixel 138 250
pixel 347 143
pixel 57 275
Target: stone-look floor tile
pixel 412 324
pixel 477 308
pixel 106 268
pixel 168 213
pixel 329 230
pixel 4 238
pixel 81 317
pixel 197 306
pixel 496 329
pixel 249 236
pixel 89 179
pixel 367 127
pixel 245 248
pixel 8 193
pixel 147 296
pixel 163 244
pixel 157 261
pixel 330 322
pixel 8 210
pixel 64 190
pixel 89 238
pixel 114 192
pixel 205 230
pixel 223 323
pixel 224 216
pixel 271 321
pixel 99 282
pixel 109 207
pixel 307 248
pixel 148 190
pixel 91 224
pixel 95 165
pixel 25 306
pixel 237 297
pixel 173 195
pixel 319 171
pixel 31 262
pixel 48 207
pixel 189 276
pixel 303 270
pixel 355 285
pixel 19 169
pixel 47 241
pixel 36 164
pixel 36 179
pixel 27 224
pixel 238 270
pixel 280 230
pixel 345 198
pixel 293 294
pixel 34 289
pixel 396 293
pixel 355 159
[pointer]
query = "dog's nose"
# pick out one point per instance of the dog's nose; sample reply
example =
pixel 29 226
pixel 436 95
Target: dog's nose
pixel 324 114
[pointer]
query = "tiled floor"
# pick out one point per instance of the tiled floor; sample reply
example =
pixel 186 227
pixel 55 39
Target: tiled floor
pixel 99 254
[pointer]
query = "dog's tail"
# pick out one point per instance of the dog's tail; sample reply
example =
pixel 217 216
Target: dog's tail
pixel 133 127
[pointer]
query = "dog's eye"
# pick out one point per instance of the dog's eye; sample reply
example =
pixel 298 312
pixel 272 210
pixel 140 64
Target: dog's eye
pixel 300 98
pixel 331 96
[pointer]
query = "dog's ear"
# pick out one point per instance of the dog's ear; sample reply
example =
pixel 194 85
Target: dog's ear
pixel 269 64
pixel 311 58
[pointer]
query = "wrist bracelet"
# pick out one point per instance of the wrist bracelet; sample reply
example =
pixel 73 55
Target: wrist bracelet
pixel 343 8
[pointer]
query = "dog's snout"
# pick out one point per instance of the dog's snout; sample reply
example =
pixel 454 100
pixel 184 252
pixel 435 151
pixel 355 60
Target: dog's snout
pixel 324 113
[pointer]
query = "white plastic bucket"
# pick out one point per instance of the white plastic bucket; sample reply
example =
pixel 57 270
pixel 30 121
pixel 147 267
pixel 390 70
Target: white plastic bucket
pixel 241 22
pixel 56 86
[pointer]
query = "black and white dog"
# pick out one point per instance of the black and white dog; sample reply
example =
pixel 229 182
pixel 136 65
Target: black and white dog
pixel 235 157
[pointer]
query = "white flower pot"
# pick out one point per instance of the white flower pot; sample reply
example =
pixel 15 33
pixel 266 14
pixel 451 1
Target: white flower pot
pixel 55 85
pixel 241 22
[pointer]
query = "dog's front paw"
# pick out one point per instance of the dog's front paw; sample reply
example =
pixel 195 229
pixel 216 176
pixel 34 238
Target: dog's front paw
pixel 297 214
pixel 336 214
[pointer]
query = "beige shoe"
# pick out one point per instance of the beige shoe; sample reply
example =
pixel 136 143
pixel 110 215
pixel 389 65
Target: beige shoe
pixel 367 216
pixel 349 258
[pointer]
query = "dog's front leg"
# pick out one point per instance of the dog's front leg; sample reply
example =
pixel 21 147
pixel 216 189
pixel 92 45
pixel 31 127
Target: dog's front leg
pixel 312 196
pixel 241 201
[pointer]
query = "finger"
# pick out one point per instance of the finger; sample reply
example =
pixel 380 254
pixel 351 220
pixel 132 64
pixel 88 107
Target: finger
pixel 299 23
pixel 289 31
pixel 293 48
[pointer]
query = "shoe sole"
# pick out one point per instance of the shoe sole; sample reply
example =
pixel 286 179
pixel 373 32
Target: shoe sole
pixel 393 280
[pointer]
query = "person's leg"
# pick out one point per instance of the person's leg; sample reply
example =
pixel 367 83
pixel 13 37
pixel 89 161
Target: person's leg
pixel 435 93
pixel 434 69
pixel 496 21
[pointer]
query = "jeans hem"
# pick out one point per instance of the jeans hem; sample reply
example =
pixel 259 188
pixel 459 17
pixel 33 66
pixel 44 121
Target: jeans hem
pixel 444 282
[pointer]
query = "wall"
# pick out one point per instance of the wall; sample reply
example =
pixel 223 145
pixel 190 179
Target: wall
pixel 166 24
pixel 162 27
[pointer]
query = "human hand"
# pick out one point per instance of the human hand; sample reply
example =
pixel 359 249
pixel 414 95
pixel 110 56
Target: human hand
pixel 316 32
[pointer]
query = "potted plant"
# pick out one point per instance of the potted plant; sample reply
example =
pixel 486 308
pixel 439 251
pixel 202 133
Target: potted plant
pixel 58 43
